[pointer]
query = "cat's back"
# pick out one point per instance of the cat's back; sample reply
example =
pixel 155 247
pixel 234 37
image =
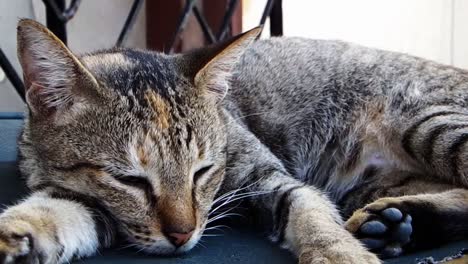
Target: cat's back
pixel 288 66
pixel 289 75
pixel 286 75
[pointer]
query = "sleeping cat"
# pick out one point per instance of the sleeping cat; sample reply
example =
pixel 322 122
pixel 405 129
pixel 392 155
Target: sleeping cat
pixel 140 145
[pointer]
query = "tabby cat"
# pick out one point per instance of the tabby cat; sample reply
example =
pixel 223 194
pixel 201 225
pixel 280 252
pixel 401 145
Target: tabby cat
pixel 140 145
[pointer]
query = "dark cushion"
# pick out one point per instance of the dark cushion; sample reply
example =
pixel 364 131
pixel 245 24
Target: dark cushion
pixel 239 245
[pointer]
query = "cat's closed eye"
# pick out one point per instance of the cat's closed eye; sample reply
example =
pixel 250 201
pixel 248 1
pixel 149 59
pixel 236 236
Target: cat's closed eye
pixel 135 181
pixel 200 172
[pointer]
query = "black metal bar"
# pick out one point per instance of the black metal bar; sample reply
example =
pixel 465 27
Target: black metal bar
pixel 181 24
pixel 204 25
pixel 129 22
pixel 61 13
pixel 70 12
pixel 267 11
pixel 11 74
pixel 276 19
pixel 227 19
pixel 53 19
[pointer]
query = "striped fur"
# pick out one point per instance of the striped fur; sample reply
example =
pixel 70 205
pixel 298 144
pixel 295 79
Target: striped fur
pixel 146 147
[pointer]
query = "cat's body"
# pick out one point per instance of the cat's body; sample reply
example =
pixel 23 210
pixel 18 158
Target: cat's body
pixel 359 123
pixel 139 143
pixel 335 109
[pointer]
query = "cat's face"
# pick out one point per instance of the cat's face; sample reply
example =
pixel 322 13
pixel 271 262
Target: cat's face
pixel 153 152
pixel 141 133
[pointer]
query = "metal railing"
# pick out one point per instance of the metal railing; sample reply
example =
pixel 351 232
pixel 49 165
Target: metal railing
pixel 58 15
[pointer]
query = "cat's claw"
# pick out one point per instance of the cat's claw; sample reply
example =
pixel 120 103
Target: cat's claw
pixel 384 232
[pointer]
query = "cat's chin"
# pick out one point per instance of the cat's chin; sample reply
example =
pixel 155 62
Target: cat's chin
pixel 165 248
pixel 189 245
pixel 161 248
pixel 168 251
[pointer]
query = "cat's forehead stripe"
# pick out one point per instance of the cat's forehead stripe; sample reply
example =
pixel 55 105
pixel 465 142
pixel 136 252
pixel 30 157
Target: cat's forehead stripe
pixel 160 107
pixel 131 72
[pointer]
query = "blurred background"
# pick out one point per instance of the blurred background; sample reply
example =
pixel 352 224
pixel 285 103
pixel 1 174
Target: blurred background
pixel 433 29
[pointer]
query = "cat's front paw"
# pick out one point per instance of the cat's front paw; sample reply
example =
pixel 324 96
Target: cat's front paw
pixel 338 255
pixel 20 243
pixel 16 248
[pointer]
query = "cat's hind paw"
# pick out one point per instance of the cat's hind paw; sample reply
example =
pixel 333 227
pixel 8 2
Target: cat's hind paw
pixel 384 230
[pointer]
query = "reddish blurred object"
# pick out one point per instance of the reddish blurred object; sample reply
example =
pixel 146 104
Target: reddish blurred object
pixel 162 20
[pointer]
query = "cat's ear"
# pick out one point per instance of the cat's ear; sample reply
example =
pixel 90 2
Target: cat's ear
pixel 54 78
pixel 211 67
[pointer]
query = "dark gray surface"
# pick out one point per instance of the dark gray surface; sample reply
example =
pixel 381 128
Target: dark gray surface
pixel 9 130
pixel 240 245
pixel 236 246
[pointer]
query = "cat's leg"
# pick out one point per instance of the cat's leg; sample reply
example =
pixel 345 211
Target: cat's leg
pixel 304 220
pixel 307 223
pixel 391 225
pixel 42 229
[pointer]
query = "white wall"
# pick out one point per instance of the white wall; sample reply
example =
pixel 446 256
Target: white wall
pixel 460 33
pixel 434 29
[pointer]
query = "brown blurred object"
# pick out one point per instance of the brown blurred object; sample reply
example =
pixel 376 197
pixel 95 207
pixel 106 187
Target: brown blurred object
pixel 462 260
pixel 162 17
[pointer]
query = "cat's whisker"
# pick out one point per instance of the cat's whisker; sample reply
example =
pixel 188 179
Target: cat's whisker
pixel 227 194
pixel 241 188
pixel 218 226
pixel 222 216
pixel 233 195
pixel 212 214
pixel 200 243
pixel 127 246
pixel 223 199
pixel 230 196
pixel 212 235
pixel 234 192
pixel 217 229
pixel 141 249
pixel 239 197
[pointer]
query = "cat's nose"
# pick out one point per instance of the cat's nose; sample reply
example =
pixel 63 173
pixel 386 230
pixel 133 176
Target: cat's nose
pixel 178 239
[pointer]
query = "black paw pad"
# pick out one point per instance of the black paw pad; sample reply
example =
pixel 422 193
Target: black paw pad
pixel 373 243
pixel 373 228
pixel 387 232
pixel 392 214
pixel 402 231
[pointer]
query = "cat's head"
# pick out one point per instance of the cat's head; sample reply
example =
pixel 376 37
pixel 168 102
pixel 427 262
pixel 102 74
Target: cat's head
pixel 140 132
